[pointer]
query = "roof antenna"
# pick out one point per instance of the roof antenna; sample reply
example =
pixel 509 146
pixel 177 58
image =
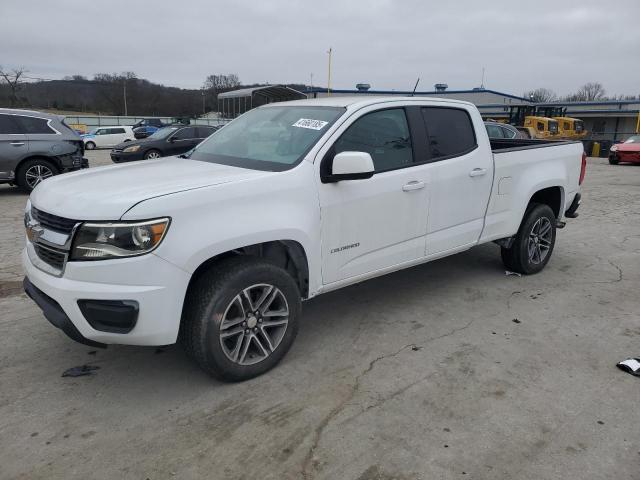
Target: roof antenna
pixel 415 86
pixel 482 82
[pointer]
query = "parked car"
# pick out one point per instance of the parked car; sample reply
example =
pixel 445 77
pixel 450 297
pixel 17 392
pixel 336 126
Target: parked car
pixel 627 151
pixel 149 122
pixel 105 137
pixel 336 191
pixel 35 146
pixel 167 141
pixel 502 130
pixel 144 132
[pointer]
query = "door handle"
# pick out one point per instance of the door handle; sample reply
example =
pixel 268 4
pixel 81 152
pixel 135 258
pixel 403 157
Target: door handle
pixel 17 144
pixel 414 185
pixel 477 172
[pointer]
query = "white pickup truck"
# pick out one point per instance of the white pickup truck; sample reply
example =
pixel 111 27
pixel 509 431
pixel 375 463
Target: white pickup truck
pixel 219 247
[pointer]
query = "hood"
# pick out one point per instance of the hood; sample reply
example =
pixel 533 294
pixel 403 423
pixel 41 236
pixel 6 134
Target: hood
pixel 106 193
pixel 627 147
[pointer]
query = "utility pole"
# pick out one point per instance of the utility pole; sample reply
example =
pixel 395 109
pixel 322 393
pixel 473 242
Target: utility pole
pixel 329 75
pixel 124 88
pixel 204 110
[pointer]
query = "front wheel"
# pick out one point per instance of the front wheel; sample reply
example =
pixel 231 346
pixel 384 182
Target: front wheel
pixel 151 154
pixel 89 146
pixel 240 318
pixel 613 161
pixel 534 242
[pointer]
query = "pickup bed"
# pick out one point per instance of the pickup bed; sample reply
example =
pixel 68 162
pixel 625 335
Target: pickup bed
pixel 290 200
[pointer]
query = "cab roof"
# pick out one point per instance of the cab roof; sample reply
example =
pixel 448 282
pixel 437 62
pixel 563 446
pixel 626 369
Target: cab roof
pixel 360 101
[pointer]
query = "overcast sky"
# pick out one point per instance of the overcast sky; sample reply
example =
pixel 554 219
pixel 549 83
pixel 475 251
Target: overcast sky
pixel 387 43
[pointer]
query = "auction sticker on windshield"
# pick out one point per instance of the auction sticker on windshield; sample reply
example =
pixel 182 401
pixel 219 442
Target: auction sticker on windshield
pixel 309 123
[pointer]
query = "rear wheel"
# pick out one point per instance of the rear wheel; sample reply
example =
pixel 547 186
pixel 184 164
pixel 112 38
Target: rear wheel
pixel 32 172
pixel 89 146
pixel 240 318
pixel 151 154
pixel 534 242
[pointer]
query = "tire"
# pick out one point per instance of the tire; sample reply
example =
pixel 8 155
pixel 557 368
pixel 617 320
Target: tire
pixel 152 154
pixel 89 146
pixel 219 330
pixel 613 161
pixel 32 172
pixel 534 242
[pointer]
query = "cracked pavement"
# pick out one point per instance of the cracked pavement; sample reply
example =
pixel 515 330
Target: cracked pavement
pixel 421 374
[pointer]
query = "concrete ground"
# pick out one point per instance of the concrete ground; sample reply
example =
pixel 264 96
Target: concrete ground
pixel 443 371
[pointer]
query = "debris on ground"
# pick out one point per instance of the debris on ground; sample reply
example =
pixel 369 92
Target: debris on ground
pixel 508 272
pixel 80 371
pixel 515 320
pixel 630 365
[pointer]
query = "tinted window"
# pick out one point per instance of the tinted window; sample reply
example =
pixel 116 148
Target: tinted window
pixel 540 126
pixel 449 130
pixel 495 131
pixel 117 130
pixel 204 132
pixel 508 133
pixel 33 125
pixel 384 135
pixel 8 126
pixel 185 134
pixel 102 131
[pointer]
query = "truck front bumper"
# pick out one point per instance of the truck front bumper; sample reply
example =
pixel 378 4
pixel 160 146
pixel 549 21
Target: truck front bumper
pixel 132 301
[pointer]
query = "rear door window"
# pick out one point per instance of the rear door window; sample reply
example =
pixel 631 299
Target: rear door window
pixel 508 133
pixel 450 132
pixel 8 126
pixel 117 130
pixel 33 125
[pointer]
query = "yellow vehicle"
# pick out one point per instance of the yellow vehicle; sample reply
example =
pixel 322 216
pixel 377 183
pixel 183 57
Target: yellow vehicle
pixel 570 128
pixel 542 127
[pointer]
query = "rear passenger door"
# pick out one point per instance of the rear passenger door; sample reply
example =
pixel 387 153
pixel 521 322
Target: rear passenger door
pixel 461 179
pixel 13 145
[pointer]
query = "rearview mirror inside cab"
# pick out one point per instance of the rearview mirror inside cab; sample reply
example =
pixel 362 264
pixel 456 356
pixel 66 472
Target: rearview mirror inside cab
pixel 350 166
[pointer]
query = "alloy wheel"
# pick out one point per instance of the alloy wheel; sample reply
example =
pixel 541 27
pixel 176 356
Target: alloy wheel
pixel 254 324
pixel 540 239
pixel 37 173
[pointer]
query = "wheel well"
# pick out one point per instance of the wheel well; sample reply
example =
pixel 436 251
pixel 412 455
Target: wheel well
pixel 551 196
pixel 53 161
pixel 287 254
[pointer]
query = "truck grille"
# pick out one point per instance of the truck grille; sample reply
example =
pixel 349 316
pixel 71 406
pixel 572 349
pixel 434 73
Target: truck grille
pixel 53 257
pixel 53 222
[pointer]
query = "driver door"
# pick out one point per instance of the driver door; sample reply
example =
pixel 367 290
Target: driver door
pixel 371 224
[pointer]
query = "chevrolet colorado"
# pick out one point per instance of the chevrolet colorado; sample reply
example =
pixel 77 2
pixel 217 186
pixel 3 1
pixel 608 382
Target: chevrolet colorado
pixel 219 247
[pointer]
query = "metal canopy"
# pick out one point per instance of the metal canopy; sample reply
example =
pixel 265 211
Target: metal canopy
pixel 236 102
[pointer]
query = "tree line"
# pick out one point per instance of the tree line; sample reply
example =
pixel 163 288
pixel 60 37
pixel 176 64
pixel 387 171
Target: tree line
pixel 114 94
pixel 589 92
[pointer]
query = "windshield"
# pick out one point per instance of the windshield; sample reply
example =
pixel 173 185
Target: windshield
pixel 270 138
pixel 162 133
pixel 634 139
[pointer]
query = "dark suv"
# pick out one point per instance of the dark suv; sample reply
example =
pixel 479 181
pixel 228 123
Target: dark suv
pixel 173 140
pixel 35 146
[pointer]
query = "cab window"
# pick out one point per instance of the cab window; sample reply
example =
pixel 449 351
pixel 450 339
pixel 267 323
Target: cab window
pixel 384 135
pixel 540 126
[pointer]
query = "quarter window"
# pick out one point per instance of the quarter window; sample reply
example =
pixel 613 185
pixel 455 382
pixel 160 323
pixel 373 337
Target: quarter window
pixel 32 125
pixel 449 131
pixel 384 135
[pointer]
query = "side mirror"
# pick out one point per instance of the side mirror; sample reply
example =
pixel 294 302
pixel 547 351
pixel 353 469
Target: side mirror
pixel 172 139
pixel 350 166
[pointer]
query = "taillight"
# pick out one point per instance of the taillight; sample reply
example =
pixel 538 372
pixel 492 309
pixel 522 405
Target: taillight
pixel 583 168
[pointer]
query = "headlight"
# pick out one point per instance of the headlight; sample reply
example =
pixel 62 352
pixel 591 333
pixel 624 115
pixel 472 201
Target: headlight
pixel 102 241
pixel 133 148
pixel 613 148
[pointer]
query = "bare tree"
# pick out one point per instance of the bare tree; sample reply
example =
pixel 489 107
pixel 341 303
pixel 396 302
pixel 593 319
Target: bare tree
pixel 541 95
pixel 220 83
pixel 588 92
pixel 13 80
